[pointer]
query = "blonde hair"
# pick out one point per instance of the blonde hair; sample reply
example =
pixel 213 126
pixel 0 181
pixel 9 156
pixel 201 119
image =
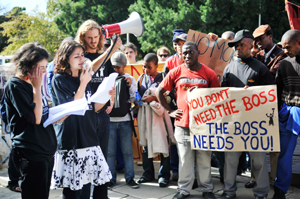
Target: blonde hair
pixel 86 26
pixel 163 49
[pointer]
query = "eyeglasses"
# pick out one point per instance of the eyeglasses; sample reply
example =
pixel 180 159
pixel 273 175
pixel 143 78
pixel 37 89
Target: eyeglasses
pixel 163 55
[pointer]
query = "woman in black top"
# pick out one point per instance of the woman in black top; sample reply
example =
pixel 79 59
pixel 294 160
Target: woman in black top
pixel 27 109
pixel 79 160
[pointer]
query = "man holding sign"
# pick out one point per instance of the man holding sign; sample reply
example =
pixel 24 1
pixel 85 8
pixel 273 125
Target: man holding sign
pixel 182 78
pixel 245 72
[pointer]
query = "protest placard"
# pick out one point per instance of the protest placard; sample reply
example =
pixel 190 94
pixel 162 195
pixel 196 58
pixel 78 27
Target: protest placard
pixel 214 54
pixel 135 70
pixel 234 119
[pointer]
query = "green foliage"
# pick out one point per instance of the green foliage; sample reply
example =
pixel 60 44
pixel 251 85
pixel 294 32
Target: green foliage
pixel 72 13
pixel 3 39
pixel 161 18
pixel 3 18
pixel 23 28
pixel 217 16
pixel 234 15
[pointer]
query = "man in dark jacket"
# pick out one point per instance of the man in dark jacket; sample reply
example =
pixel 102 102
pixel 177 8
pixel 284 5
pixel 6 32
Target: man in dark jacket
pixel 245 72
pixel 271 55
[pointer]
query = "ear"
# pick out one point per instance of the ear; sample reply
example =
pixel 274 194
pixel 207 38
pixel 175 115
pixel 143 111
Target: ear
pixel 271 36
pixel 81 37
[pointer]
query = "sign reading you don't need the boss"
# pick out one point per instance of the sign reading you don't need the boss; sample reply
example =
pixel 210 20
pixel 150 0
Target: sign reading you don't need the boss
pixel 234 119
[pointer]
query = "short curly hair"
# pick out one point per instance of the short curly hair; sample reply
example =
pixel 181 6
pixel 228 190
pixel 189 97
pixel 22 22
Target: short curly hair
pixel 28 56
pixel 151 57
pixel 62 57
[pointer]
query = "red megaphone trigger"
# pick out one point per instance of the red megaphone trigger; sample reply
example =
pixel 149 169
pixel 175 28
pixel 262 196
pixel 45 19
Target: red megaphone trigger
pixel 109 30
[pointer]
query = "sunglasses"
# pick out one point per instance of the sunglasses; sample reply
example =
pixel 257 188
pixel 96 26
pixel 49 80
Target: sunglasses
pixel 163 55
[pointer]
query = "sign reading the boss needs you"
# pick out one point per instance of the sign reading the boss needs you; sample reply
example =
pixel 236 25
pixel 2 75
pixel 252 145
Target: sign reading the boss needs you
pixel 234 119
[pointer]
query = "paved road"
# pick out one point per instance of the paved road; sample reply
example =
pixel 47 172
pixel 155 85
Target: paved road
pixel 152 190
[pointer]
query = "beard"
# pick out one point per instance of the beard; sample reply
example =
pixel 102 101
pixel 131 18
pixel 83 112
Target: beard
pixel 92 46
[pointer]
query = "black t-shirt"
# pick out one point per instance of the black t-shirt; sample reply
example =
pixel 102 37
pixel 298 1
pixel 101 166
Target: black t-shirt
pixel 244 72
pixel 36 141
pixel 104 71
pixel 76 131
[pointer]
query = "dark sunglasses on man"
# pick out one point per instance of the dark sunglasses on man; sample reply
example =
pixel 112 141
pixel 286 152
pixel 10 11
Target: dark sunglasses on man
pixel 163 55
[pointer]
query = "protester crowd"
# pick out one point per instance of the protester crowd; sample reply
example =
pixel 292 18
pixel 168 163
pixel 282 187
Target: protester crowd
pixel 78 152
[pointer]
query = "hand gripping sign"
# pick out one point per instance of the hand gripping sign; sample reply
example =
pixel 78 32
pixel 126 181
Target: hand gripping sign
pixel 234 119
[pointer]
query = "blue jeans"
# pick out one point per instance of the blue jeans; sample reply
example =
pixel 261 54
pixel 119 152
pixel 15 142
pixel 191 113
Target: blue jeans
pixel 125 132
pixel 288 141
pixel 119 155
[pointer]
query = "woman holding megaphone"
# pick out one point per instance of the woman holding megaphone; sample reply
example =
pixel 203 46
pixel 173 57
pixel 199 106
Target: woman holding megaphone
pixel 79 160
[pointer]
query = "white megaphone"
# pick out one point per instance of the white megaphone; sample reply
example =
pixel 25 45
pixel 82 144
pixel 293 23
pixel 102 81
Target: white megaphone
pixel 134 24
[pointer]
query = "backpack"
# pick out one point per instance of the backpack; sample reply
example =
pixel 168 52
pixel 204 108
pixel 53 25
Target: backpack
pixel 3 110
pixel 172 104
pixel 122 104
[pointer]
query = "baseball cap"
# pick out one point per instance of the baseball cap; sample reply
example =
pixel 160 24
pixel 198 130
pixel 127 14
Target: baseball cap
pixel 239 36
pixel 118 59
pixel 261 30
pixel 182 37
pixel 176 33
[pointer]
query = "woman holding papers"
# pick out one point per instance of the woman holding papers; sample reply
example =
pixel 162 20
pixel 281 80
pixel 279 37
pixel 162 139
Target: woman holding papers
pixel 79 160
pixel 33 146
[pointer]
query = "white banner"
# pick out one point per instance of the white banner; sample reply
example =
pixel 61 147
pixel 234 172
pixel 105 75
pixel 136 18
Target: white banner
pixel 234 119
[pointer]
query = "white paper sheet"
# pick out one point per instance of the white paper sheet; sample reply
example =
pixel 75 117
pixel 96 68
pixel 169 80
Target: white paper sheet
pixel 77 107
pixel 102 94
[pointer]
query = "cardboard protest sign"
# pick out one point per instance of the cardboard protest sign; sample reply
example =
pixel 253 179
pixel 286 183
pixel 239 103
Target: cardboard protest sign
pixel 214 54
pixel 234 119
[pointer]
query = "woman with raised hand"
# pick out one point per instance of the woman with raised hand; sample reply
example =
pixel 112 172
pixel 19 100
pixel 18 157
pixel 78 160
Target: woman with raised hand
pixel 79 160
pixel 27 109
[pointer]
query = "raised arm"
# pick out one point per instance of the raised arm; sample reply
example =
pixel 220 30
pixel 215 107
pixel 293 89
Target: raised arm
pixel 98 61
pixel 36 78
pixel 85 78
